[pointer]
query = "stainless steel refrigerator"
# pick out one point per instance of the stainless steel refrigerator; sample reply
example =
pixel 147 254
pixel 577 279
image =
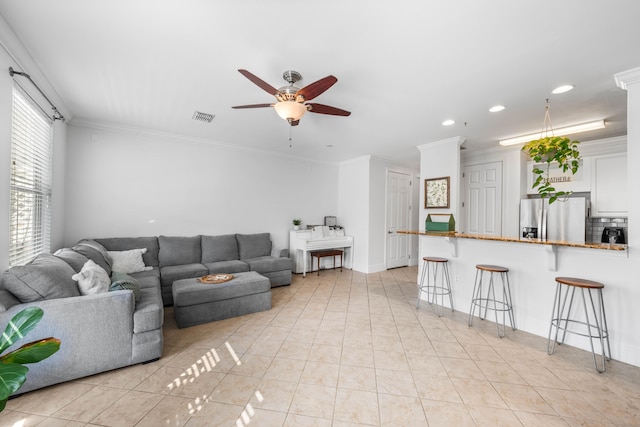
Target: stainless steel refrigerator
pixel 565 221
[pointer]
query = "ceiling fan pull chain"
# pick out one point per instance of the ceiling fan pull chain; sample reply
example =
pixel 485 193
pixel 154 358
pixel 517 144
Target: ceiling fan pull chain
pixel 290 127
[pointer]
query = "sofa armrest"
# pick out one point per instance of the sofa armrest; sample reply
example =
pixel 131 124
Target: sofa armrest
pixel 95 333
pixel 279 252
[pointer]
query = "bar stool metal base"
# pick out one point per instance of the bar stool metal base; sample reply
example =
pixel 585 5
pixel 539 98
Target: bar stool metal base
pixel 490 302
pixel 438 285
pixel 595 324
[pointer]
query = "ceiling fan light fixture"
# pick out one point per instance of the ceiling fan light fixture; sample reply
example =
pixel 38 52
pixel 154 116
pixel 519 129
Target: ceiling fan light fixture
pixel 290 110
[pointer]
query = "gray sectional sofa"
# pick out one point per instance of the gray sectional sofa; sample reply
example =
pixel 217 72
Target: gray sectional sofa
pixel 109 330
pixel 176 257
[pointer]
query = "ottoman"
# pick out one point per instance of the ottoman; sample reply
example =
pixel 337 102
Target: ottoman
pixel 195 303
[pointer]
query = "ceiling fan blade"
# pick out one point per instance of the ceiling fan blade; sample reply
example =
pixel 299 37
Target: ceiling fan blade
pixel 326 109
pixel 314 89
pixel 253 106
pixel 259 82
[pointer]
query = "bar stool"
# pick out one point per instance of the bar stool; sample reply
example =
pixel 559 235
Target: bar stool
pixel 490 302
pixel 438 285
pixel 593 328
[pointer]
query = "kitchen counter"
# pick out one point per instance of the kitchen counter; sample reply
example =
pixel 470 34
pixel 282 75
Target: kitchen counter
pixel 454 234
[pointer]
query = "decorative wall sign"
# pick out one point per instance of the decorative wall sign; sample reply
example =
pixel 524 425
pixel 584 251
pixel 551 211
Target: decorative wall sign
pixel 436 193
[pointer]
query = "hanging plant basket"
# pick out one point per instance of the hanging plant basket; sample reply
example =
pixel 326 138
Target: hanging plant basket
pixel 547 151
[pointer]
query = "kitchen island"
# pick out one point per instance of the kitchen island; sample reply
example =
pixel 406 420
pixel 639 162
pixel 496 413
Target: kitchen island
pixel 533 266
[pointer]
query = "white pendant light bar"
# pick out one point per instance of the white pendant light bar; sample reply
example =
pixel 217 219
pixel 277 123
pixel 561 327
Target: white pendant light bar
pixel 583 127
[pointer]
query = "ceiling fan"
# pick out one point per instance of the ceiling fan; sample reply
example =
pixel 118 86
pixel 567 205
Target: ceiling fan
pixel 291 101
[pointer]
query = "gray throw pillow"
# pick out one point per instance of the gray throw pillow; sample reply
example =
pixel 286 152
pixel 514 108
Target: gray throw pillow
pixel 121 281
pixel 254 245
pixel 74 259
pixel 46 277
pixel 95 252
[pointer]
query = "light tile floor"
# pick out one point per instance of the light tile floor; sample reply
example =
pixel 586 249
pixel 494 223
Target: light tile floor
pixel 345 349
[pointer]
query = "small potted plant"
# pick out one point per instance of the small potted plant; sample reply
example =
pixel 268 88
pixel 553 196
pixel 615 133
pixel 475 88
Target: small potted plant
pixel 548 150
pixel 296 223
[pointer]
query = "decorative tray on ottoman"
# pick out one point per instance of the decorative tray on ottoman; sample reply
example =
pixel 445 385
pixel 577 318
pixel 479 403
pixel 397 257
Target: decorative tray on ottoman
pixel 213 279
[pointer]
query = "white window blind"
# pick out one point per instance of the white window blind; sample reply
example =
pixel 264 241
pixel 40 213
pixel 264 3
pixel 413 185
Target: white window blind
pixel 31 163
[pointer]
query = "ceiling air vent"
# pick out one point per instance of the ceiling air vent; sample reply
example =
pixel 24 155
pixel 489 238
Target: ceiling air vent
pixel 203 117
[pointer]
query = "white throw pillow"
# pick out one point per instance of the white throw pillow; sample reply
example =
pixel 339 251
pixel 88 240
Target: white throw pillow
pixel 92 279
pixel 128 261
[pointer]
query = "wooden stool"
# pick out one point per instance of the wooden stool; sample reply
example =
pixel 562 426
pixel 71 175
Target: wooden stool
pixel 435 288
pixel 490 302
pixel 595 327
pixel 331 252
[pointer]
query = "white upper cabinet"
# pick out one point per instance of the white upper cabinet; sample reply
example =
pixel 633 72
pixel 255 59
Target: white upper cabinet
pixel 563 181
pixel 609 186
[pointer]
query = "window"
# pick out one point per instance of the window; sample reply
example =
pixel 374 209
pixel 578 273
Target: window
pixel 30 192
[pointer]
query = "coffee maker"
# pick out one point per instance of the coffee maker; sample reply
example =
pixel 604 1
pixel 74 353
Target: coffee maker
pixel 613 235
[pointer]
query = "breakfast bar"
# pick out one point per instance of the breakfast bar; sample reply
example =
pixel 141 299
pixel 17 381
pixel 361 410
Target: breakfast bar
pixel 533 266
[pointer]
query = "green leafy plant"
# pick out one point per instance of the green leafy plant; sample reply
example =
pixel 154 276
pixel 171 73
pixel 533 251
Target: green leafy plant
pixel 546 151
pixel 12 372
pixel 297 221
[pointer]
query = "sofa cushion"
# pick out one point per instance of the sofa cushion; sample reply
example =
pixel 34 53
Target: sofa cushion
pixel 75 259
pixel 7 300
pixel 147 281
pixel 268 264
pixel 179 250
pixel 92 279
pixel 219 248
pixel 128 261
pixel 126 243
pixel 122 281
pixel 254 245
pixel 233 266
pixel 93 251
pixel 154 272
pixel 46 277
pixel 171 273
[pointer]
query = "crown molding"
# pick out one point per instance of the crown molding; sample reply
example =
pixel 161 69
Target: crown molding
pixel 626 78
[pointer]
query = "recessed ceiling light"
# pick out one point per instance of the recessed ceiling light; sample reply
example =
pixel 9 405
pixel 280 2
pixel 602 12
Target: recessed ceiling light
pixel 562 89
pixel 497 108
pixel 448 122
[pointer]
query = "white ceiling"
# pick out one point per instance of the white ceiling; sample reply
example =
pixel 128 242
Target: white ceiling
pixel 402 67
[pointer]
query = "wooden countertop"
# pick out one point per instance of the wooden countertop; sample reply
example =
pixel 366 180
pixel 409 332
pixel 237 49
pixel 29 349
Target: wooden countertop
pixel 454 234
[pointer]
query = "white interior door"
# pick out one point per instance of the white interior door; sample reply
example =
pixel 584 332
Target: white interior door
pixel 483 198
pixel 398 218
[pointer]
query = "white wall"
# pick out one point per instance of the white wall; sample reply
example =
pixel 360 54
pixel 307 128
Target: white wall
pixel 6 84
pixel 363 209
pixel 441 159
pixel 125 183
pixel 353 204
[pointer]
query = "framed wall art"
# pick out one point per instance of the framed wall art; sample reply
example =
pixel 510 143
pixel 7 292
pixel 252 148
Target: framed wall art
pixel 436 193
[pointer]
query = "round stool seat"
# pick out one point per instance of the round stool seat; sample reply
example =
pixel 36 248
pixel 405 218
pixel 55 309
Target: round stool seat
pixel 435 259
pixel 492 268
pixel 581 283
